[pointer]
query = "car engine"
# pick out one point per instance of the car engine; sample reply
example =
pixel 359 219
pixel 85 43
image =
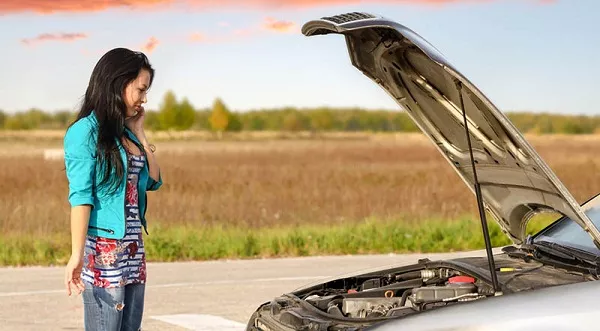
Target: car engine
pixel 398 294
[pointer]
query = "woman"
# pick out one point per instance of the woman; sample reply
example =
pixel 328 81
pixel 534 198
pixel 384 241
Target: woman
pixel 110 165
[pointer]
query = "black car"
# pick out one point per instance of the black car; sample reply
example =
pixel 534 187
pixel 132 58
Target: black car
pixel 509 179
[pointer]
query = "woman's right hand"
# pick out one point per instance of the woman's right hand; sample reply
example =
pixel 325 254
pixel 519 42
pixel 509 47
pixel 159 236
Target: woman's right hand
pixel 73 274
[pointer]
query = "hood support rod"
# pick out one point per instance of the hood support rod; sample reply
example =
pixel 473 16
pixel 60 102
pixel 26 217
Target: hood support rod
pixel 482 217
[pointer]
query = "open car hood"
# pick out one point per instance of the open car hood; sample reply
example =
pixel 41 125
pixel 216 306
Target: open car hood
pixel 515 182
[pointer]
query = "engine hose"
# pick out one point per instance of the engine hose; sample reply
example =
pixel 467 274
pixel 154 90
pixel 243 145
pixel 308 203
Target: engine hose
pixel 433 281
pixel 400 285
pixel 409 275
pixel 407 284
pixel 405 295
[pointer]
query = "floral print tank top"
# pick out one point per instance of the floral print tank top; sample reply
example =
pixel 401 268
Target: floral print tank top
pixel 116 263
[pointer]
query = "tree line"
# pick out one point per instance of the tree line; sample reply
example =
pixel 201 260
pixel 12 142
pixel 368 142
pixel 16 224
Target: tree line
pixel 174 114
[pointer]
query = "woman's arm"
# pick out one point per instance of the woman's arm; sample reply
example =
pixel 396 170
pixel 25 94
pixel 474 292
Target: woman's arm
pixel 80 166
pixel 154 170
pixel 80 216
pixel 136 125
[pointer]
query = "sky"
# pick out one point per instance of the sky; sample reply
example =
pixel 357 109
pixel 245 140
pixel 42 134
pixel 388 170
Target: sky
pixel 524 55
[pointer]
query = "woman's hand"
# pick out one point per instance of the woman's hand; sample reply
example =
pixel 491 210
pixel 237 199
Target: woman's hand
pixel 136 124
pixel 73 274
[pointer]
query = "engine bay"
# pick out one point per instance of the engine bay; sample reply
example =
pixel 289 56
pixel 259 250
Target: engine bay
pixel 362 299
pixel 395 295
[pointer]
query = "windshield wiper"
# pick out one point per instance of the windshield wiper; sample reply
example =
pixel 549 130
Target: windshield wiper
pixel 565 254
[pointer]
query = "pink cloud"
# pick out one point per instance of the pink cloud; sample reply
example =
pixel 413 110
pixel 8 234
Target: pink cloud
pixel 269 25
pixel 247 32
pixel 59 37
pixel 150 45
pixel 56 6
pixel 232 36
pixel 272 24
pixel 197 37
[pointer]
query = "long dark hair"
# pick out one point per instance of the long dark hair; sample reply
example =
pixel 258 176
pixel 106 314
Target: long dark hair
pixel 104 96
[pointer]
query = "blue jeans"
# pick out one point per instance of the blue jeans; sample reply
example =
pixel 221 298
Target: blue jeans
pixel 113 309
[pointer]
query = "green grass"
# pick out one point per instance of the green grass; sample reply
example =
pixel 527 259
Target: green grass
pixel 207 243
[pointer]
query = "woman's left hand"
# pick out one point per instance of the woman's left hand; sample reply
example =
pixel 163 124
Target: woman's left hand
pixel 136 124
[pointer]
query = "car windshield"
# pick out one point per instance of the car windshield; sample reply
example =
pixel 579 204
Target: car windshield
pixel 567 232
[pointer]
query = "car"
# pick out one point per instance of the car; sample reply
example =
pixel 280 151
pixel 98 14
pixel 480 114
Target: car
pixel 550 274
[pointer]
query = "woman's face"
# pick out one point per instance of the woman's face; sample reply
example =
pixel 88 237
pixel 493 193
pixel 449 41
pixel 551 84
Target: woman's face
pixel 135 93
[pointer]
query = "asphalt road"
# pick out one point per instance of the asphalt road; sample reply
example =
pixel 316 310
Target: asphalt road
pixel 198 295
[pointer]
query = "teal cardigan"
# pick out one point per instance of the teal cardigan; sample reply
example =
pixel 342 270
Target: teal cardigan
pixel 107 218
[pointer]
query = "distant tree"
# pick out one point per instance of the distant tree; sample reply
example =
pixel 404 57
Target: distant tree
pixel 544 125
pixel 352 124
pixel 525 122
pixel 322 119
pixel 219 117
pixel 174 115
pixel 36 118
pixel 153 120
pixel 19 121
pixel 379 122
pixel 292 122
pixel 168 111
pixel 235 123
pixel 2 118
pixel 253 121
pixel 186 115
pixel 403 123
pixel 201 122
pixel 62 119
pixel 273 119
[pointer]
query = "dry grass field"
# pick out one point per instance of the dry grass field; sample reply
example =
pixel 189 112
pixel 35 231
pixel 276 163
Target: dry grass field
pixel 278 183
